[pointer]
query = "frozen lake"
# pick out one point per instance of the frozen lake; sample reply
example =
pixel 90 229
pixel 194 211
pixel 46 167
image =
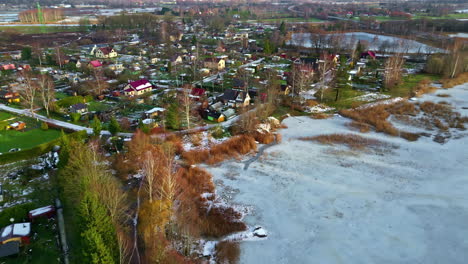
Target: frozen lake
pixel 324 204
pixel 374 42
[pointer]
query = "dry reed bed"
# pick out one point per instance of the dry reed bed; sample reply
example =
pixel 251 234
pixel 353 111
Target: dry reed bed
pixel 212 221
pixel 231 148
pixel 352 141
pixel 460 79
pixel 377 115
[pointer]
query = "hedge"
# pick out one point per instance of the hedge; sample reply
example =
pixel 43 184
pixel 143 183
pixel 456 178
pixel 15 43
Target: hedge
pixel 37 150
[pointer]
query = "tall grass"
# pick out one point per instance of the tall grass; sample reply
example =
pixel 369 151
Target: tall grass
pixel 232 148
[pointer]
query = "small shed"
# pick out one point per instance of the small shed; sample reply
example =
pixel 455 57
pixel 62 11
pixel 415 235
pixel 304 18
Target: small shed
pixel 46 211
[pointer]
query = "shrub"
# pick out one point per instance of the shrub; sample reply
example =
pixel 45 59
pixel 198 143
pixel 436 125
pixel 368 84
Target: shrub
pixel 19 213
pixel 75 117
pixel 44 126
pixel 264 138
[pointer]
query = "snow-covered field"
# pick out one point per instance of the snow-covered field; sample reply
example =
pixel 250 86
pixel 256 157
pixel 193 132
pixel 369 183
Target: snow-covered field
pixel 330 204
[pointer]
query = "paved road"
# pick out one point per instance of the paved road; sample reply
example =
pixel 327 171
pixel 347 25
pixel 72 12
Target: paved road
pixel 58 123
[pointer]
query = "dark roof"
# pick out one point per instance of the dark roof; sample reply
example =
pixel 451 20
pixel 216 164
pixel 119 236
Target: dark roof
pixel 79 106
pixel 9 249
pixel 230 94
pixel 198 91
pixel 238 83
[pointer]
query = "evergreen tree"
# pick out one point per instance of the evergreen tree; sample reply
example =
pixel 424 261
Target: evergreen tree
pixel 342 78
pixel 282 28
pixel 267 47
pixel 98 233
pixel 97 126
pixel 26 53
pixel 194 40
pixel 172 117
pixel 114 126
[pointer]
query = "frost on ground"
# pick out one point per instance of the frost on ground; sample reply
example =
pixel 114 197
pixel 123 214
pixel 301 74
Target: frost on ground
pixel 332 204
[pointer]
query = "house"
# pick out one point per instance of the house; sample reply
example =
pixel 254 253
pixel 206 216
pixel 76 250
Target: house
pixel 197 92
pixel 95 64
pixel 214 63
pixel 175 60
pixel 229 113
pixel 238 83
pixel 235 98
pixel 154 60
pixel 10 66
pixel 17 126
pixel 78 108
pixel 138 88
pixel 10 97
pixel 104 53
pixel 12 237
pixel 213 116
pixel 154 112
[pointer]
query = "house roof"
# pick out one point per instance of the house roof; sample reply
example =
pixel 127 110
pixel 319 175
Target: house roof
pixel 106 50
pixel 238 82
pixel 230 94
pixel 95 63
pixel 198 92
pixel 79 106
pixel 142 84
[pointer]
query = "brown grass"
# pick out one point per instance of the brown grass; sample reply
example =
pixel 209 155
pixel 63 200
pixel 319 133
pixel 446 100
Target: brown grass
pixel 375 116
pixel 227 252
pixel 403 108
pixel 443 95
pixel 279 138
pixel 409 136
pixel 320 116
pixel 193 212
pixel 423 87
pixel 460 79
pixel 176 143
pixel 359 126
pixel 231 148
pixel 352 141
pixel 264 138
pixel 311 102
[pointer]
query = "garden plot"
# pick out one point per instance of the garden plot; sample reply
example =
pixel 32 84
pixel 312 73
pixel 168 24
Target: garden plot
pixel 335 204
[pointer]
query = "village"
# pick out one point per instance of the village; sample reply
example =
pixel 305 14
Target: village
pixel 140 106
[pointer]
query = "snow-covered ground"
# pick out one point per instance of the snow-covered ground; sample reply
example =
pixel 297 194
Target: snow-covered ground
pixel 330 204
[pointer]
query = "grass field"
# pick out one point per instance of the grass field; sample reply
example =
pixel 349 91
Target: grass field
pixel 15 139
pixel 5 116
pixel 40 29
pixel 345 99
pixel 409 82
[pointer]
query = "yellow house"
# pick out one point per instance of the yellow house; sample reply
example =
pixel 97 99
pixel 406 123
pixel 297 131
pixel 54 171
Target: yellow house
pixel 138 88
pixel 213 63
pixel 105 53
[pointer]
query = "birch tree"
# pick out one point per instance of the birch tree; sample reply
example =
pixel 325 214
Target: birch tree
pixel 47 92
pixel 28 90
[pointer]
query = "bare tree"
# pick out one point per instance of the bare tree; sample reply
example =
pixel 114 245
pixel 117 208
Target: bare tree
pixel 393 67
pixel 47 92
pixel 28 90
pixel 326 66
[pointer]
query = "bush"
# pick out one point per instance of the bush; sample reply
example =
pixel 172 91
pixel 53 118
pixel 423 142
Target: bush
pixel 19 213
pixel 75 117
pixel 44 126
pixel 460 79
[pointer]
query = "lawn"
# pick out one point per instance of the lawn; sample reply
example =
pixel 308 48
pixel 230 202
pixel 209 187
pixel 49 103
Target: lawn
pixel 29 138
pixel 345 99
pixel 98 106
pixel 5 116
pixel 409 82
pixel 60 95
pixel 449 16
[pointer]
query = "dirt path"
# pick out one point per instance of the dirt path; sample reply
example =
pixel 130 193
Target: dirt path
pixel 260 152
